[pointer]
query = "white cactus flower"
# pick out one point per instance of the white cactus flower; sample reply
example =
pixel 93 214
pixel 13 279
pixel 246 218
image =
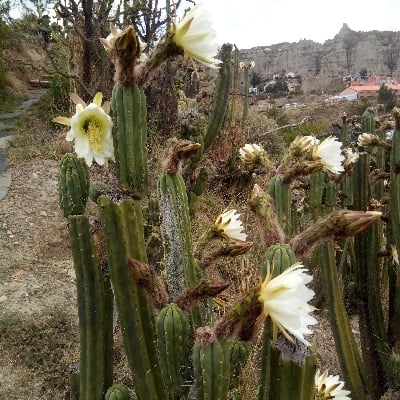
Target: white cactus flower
pixel 285 300
pixel 195 36
pixel 329 153
pixel 329 387
pixel 303 144
pixel 252 64
pixel 249 153
pixel 229 226
pixel 109 41
pixel 350 158
pixel 91 130
pixel 366 139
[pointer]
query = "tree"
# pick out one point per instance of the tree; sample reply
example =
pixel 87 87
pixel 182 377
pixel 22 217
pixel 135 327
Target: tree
pixel 387 96
pixel 255 79
pixel 86 21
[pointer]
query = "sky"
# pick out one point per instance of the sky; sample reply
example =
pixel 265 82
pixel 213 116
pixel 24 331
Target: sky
pixel 251 23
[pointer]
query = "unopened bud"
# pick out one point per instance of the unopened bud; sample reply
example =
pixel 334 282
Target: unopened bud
pixel 236 248
pixel 353 222
pixel 202 289
pixel 178 152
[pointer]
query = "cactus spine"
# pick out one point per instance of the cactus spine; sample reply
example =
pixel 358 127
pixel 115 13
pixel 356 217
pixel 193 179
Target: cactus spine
pixel 130 137
pixel 73 185
pixel 123 232
pixel 95 313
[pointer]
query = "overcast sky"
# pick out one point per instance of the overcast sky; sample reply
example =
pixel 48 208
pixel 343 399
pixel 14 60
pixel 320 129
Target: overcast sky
pixel 250 23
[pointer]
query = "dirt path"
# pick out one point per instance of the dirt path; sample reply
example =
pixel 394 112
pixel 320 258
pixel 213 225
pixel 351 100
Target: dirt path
pixel 38 318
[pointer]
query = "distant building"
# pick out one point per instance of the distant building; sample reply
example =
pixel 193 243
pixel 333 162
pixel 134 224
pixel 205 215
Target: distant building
pixel 360 92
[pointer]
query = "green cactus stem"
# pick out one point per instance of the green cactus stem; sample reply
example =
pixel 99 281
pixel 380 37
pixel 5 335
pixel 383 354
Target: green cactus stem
pixel 290 375
pixel 239 355
pixel 130 138
pixel 221 97
pixel 367 271
pixel 235 86
pixel 117 392
pixel 176 223
pixel 346 347
pixel 368 120
pixel 281 193
pixel 123 233
pixel 281 257
pixel 95 308
pixel 174 344
pixel 211 362
pixel 73 185
pixel 394 237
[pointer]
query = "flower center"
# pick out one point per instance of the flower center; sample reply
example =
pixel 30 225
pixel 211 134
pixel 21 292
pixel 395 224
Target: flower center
pixel 95 133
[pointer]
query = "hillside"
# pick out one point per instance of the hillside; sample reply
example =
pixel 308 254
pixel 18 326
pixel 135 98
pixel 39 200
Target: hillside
pixel 345 54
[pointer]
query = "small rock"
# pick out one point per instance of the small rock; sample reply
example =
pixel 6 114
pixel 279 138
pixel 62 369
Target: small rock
pixel 3 298
pixel 9 233
pixel 35 175
pixel 32 225
pixel 43 213
pixel 11 236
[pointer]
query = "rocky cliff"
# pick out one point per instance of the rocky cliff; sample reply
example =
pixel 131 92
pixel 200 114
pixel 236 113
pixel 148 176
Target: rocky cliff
pixel 347 53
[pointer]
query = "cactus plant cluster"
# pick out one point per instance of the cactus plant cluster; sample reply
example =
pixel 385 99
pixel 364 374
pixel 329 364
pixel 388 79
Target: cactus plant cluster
pixel 176 345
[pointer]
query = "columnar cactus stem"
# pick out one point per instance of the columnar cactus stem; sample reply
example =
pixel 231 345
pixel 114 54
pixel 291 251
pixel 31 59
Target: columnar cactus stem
pixel 221 97
pixel 176 223
pixel 281 193
pixel 367 275
pixel 394 214
pixel 123 232
pixel 346 347
pixel 211 362
pixel 95 308
pixel 235 86
pixel 173 338
pixel 130 137
pixel 73 185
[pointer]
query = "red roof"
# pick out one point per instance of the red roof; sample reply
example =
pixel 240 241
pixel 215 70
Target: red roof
pixel 374 88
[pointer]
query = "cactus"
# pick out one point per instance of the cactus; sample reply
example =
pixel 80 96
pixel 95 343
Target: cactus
pixel 349 357
pixel 73 185
pixel 117 392
pixel 130 138
pixel 280 256
pixel 394 235
pixel 211 362
pixel 281 194
pixel 235 86
pixel 239 355
pixel 173 338
pixel 221 96
pixel 123 231
pixel 95 313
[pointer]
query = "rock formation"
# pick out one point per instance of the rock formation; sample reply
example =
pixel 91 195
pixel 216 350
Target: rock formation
pixel 347 53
